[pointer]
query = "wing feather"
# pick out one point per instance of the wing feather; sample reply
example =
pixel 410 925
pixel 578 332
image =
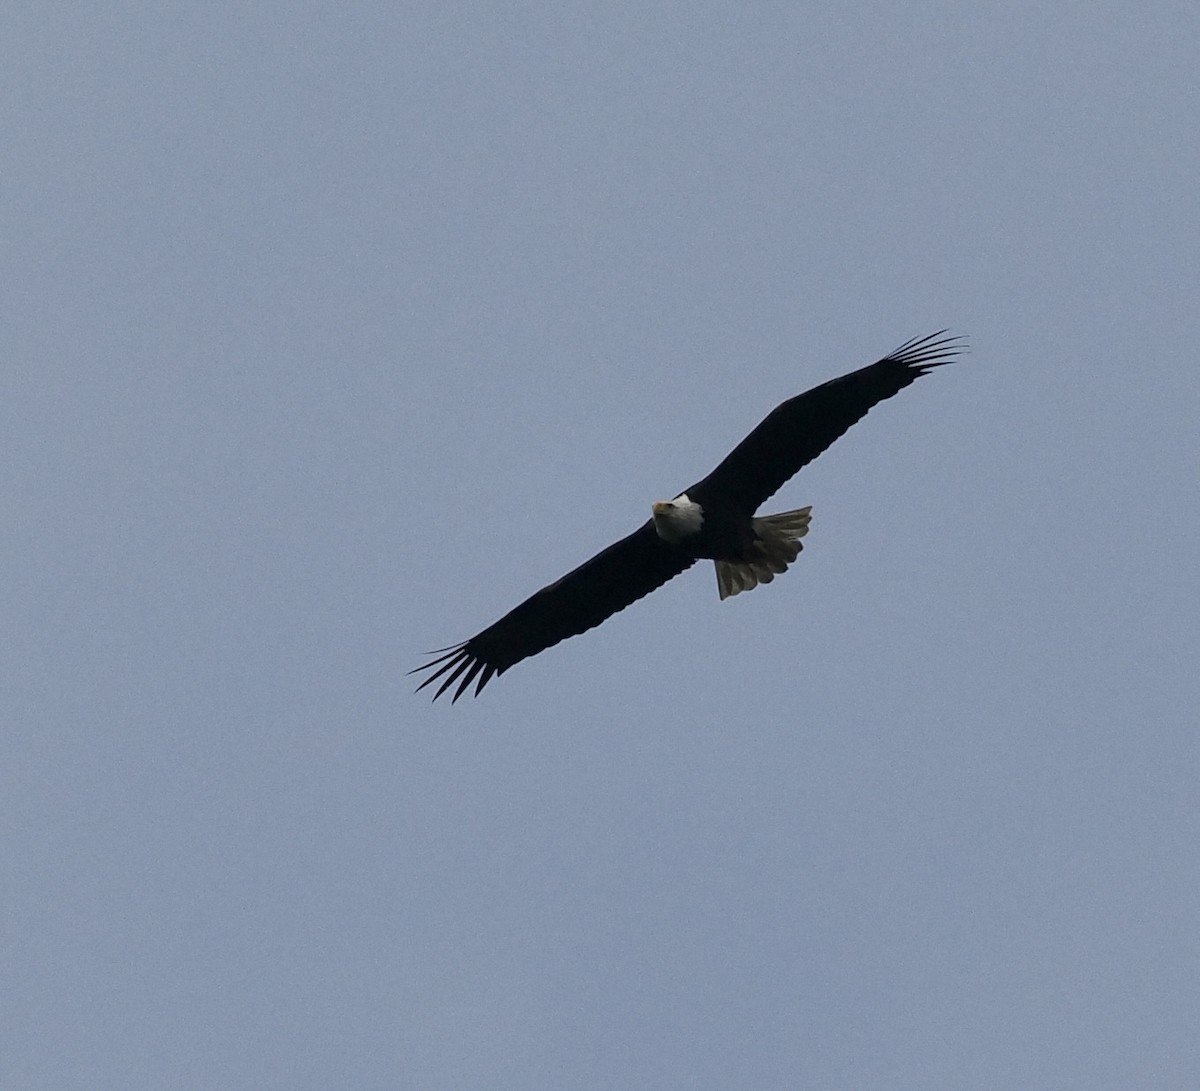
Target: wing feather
pixel 617 576
pixel 799 429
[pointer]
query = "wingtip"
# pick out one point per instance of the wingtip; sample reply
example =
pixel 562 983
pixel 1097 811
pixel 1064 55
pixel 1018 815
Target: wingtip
pixel 452 660
pixel 933 350
pixel 455 668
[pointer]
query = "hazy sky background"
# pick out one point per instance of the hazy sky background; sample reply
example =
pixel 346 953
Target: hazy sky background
pixel 330 332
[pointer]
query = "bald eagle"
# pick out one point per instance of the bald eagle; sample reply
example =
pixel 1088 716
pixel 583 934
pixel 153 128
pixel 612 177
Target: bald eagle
pixel 713 519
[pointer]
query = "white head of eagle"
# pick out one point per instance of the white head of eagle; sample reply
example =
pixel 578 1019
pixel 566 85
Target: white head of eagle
pixel 677 519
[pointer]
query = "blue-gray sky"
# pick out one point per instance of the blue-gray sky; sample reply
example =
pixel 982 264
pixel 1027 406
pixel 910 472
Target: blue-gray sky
pixel 331 332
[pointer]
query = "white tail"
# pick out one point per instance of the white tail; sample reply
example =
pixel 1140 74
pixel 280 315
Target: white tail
pixel 778 543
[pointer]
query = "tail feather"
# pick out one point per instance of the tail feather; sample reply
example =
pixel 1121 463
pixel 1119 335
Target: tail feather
pixel 778 545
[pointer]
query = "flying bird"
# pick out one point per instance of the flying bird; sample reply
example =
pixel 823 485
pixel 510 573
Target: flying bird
pixel 713 519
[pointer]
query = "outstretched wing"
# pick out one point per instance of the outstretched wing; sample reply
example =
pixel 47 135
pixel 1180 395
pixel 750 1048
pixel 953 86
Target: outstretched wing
pixel 798 430
pixel 582 599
